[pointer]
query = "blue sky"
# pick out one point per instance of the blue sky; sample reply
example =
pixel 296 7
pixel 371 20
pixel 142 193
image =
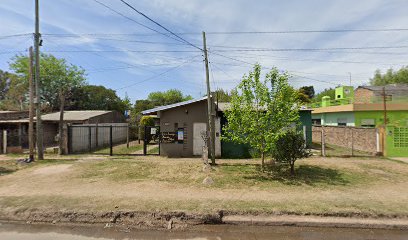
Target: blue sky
pixel 122 55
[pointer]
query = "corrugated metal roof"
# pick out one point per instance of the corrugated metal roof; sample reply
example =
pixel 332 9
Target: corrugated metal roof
pixel 73 115
pixel 162 108
pixel 388 88
pixel 15 121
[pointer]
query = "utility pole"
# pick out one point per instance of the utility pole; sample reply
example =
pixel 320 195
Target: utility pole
pixel 211 115
pixel 385 119
pixel 39 129
pixel 31 112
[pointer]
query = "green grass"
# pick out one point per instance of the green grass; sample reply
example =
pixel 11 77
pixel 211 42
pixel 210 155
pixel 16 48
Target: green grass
pixel 121 150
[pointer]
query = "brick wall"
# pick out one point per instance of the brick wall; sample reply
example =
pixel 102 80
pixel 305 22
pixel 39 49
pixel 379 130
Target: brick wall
pixel 362 95
pixel 364 139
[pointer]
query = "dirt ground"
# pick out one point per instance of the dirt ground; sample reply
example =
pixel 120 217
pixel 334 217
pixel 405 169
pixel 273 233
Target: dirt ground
pixel 372 187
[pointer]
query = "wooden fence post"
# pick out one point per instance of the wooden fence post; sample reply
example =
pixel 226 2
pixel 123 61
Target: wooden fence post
pixel 352 141
pixel 4 141
pixel 323 143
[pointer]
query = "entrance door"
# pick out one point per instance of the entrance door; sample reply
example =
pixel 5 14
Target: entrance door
pixel 198 141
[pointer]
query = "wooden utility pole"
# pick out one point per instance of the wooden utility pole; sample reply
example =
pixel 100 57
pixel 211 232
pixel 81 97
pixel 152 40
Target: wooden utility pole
pixel 39 128
pixel 211 115
pixel 385 120
pixel 31 111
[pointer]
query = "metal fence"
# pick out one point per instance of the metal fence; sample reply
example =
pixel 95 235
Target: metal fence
pixel 93 137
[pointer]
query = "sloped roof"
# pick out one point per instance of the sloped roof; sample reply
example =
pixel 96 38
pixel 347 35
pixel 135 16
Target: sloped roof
pixel 73 115
pixel 390 88
pixel 162 108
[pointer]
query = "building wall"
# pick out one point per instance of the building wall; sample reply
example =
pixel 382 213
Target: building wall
pixel 397 118
pixel 332 119
pixel 184 117
pixel 362 95
pixel 305 118
pixel 396 143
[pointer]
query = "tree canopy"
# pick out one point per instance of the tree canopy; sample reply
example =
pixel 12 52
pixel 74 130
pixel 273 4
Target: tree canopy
pixel 261 110
pixel 331 92
pixel 168 97
pixel 91 97
pixel 56 77
pixel 391 76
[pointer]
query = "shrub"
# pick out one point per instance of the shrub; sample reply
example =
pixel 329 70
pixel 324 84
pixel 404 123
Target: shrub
pixel 289 148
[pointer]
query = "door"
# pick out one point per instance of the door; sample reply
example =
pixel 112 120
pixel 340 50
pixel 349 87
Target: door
pixel 198 141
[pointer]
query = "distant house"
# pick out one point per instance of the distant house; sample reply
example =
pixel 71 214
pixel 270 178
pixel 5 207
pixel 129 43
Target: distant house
pixel 16 124
pixel 189 120
pixel 364 107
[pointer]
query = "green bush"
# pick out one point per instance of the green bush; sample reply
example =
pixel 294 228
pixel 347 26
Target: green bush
pixel 289 148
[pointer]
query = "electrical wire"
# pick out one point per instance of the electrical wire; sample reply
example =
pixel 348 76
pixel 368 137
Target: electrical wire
pixel 158 24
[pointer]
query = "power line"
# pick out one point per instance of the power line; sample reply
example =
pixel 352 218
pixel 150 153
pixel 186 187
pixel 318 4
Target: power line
pixel 310 31
pixel 158 75
pixel 158 24
pixel 124 50
pixel 306 49
pixel 15 35
pixel 131 19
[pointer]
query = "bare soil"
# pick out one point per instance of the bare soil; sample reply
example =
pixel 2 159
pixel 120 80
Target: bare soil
pixel 155 191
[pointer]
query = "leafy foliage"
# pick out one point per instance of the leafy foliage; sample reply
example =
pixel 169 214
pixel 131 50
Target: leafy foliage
pixel 146 121
pixel 261 110
pixel 390 77
pixel 93 97
pixel 290 147
pixel 56 77
pixel 308 91
pixel 222 95
pixel 331 92
pixel 168 97
pixel 13 93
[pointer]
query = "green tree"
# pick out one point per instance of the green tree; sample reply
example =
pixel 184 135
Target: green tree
pixel 331 92
pixel 261 110
pixel 13 95
pixel 390 77
pixel 57 77
pixel 222 95
pixel 93 97
pixel 290 147
pixel 168 97
pixel 308 90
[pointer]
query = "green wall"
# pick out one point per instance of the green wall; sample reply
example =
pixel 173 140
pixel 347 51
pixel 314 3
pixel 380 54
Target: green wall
pixel 396 118
pixel 396 141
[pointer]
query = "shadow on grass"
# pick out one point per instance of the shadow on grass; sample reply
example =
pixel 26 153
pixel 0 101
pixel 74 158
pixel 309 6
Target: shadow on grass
pixel 309 175
pixel 4 171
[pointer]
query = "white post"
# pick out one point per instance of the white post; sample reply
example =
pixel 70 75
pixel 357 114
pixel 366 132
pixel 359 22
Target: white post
pixel 323 143
pixel 377 135
pixel 305 135
pixel 4 141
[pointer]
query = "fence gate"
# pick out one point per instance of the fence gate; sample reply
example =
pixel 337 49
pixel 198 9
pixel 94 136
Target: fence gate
pixel 151 143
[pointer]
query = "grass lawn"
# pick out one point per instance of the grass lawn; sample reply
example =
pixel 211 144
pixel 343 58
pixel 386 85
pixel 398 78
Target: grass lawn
pixel 334 186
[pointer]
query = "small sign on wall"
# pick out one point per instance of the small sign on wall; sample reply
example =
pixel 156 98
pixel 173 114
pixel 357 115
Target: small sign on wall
pixel 180 135
pixel 153 131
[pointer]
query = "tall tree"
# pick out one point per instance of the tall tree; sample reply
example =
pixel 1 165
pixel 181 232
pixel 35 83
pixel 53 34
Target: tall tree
pixel 261 110
pixel 58 78
pixel 390 77
pixel 91 97
pixel 308 90
pixel 168 97
pixel 331 92
pixel 13 95
pixel 222 95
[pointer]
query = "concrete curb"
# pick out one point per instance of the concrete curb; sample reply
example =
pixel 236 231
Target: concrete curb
pixel 315 221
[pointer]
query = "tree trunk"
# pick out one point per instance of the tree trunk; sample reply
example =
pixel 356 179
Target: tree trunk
pixel 61 124
pixel 292 169
pixel 263 159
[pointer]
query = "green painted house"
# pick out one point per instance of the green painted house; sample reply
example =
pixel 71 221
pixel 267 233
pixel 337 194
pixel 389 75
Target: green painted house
pixel 367 106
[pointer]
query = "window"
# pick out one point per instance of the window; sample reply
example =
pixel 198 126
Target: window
pixel 341 121
pixel 367 122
